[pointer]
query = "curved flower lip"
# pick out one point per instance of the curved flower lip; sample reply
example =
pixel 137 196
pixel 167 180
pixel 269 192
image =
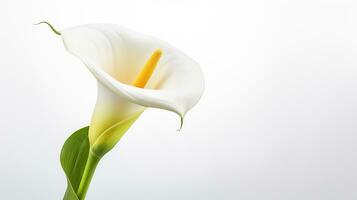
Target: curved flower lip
pixel 177 86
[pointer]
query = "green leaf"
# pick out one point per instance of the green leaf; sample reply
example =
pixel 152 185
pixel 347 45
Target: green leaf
pixel 74 156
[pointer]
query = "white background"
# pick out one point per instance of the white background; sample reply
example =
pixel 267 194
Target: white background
pixel 278 119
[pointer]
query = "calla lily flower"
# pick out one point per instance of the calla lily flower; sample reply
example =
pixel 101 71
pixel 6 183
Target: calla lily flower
pixel 134 72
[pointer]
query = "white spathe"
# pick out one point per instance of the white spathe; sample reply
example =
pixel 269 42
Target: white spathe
pixel 115 55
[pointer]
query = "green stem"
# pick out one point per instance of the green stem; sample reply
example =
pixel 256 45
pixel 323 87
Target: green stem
pixel 89 170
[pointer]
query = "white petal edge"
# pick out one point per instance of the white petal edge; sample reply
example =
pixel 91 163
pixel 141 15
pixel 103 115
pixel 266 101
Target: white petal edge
pixel 179 93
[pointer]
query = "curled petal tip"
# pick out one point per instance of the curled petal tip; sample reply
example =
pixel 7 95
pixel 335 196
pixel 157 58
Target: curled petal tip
pixel 180 124
pixel 52 28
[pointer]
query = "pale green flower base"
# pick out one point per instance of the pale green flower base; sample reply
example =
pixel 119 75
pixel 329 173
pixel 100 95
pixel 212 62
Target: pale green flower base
pixel 79 158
